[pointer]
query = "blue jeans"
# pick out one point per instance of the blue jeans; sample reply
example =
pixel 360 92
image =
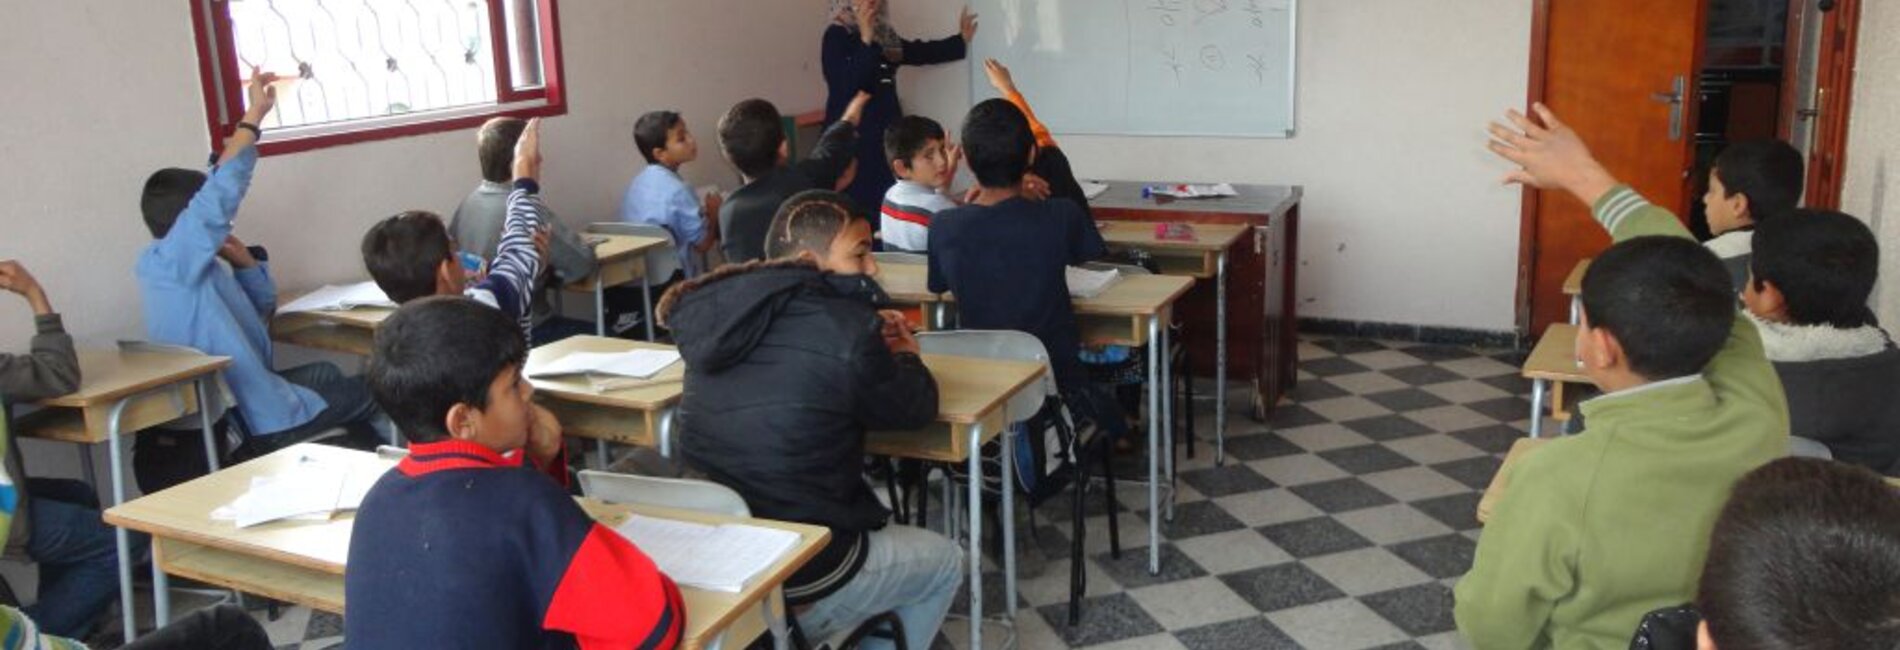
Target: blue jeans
pixel 910 571
pixel 78 557
pixel 350 406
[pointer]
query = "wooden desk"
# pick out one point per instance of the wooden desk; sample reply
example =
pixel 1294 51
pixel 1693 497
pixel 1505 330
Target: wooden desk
pixel 304 562
pixel 1501 481
pixel 639 415
pixel 1573 287
pixel 349 331
pixel 619 259
pixel 1553 361
pixel 127 391
pixel 971 395
pixel 909 284
pixel 1264 305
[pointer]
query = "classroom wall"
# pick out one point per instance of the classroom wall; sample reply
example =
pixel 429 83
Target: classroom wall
pixel 1872 188
pixel 1403 220
pixel 128 102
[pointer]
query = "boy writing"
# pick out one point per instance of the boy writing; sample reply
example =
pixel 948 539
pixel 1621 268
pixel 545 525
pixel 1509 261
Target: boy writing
pixel 753 138
pixel 468 543
pixel 478 226
pixel 1808 285
pixel 658 196
pixel 788 364
pixel 192 300
pixel 1613 523
pixel 411 256
pixel 1751 183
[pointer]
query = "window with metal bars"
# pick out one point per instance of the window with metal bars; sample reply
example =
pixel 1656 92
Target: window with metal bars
pixel 361 70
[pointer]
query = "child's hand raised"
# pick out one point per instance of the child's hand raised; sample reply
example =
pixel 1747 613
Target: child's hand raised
pixel 854 112
pixel 1550 155
pixel 1000 79
pixel 528 151
pixel 262 94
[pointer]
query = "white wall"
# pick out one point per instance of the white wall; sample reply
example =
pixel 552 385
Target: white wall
pixel 121 98
pixel 1872 188
pixel 1403 220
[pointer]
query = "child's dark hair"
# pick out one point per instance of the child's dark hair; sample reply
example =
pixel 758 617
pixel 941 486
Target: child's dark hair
pixel 1769 172
pixel 435 353
pixel 167 192
pixel 403 253
pixel 495 145
pixel 808 221
pixel 650 132
pixel 750 135
pixel 1824 263
pixel 1805 555
pixel 998 143
pixel 1667 300
pixel 908 136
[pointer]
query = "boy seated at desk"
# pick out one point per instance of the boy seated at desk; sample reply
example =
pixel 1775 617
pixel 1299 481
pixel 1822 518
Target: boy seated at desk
pixel 472 542
pixel 1601 527
pixel 788 364
pixel 411 255
pixel 193 300
pixel 1750 184
pixel 658 196
pixel 1808 286
pixel 480 222
pixel 752 136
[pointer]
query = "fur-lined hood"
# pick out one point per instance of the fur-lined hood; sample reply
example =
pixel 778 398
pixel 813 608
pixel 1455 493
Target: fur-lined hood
pixel 718 318
pixel 1789 343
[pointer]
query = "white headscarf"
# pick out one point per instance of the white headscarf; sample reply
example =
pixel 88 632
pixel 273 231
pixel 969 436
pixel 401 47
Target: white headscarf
pixel 844 12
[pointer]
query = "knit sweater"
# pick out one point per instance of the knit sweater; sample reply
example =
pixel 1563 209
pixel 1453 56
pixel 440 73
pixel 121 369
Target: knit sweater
pixel 1601 527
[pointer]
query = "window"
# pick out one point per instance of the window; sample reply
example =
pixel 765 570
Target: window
pixel 360 70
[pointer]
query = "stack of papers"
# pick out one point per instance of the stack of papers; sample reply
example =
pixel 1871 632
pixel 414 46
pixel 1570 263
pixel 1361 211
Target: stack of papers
pixel 1084 283
pixel 1187 191
pixel 1093 190
pixel 312 491
pixel 607 370
pixel 714 558
pixel 340 298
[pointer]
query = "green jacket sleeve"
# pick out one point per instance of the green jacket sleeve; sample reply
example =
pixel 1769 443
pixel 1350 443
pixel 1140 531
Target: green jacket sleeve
pixel 1525 564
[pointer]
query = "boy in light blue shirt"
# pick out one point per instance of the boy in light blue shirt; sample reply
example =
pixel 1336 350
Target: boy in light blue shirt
pixel 658 196
pixel 192 300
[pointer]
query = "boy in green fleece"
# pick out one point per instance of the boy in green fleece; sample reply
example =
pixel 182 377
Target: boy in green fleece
pixel 1604 526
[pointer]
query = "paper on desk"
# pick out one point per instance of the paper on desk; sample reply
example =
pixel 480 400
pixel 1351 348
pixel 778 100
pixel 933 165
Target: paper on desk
pixel 1084 283
pixel 716 558
pixel 1093 190
pixel 1189 191
pixel 639 364
pixel 339 298
pixel 311 492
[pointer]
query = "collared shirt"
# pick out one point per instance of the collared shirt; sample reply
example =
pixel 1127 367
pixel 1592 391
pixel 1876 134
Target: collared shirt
pixel 1644 388
pixel 659 197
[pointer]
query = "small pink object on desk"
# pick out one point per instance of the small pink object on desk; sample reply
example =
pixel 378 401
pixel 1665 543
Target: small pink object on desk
pixel 1174 232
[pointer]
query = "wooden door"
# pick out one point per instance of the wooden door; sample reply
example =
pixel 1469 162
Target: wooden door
pixel 1623 73
pixel 1834 92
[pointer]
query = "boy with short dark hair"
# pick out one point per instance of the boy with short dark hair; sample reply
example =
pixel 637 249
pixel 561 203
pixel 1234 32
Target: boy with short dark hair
pixel 1601 527
pixel 411 255
pixel 468 543
pixel 789 363
pixel 660 197
pixel 1809 282
pixel 1751 183
pixel 752 136
pixel 192 300
pixel 925 164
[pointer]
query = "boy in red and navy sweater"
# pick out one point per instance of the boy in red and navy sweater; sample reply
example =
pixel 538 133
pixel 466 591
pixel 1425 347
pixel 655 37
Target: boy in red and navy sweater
pixel 473 542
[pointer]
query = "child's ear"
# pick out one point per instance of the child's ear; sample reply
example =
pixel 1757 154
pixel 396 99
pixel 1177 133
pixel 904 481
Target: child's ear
pixel 900 167
pixel 446 275
pixel 784 152
pixel 1609 351
pixel 461 421
pixel 656 153
pixel 1741 206
pixel 1770 298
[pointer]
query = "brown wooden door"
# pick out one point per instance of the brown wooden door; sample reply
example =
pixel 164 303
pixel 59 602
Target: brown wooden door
pixel 1610 69
pixel 1840 30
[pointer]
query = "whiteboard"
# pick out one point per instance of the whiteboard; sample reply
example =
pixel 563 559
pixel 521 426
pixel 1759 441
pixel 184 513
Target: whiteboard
pixel 1145 67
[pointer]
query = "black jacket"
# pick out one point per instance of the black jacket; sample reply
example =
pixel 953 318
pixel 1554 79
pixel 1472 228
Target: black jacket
pixel 786 368
pixel 747 213
pixel 1851 405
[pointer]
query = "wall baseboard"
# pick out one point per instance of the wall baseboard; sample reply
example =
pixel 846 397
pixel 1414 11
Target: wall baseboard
pixel 1431 334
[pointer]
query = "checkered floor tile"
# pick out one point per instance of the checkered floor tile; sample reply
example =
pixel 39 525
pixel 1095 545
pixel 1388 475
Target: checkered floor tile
pixel 1340 523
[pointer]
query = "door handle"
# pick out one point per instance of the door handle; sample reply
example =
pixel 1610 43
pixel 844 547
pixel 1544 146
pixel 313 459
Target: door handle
pixel 1675 99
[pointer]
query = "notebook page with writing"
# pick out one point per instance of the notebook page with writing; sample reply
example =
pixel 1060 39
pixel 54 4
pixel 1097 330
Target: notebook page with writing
pixel 715 558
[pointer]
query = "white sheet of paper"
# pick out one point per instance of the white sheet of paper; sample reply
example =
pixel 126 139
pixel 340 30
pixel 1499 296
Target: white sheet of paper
pixel 1084 283
pixel 715 558
pixel 303 491
pixel 339 297
pixel 640 364
pixel 1093 190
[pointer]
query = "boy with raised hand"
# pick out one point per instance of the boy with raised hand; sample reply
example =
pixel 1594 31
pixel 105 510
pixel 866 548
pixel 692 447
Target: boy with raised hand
pixel 1808 285
pixel 1601 527
pixel 479 223
pixel 411 255
pixel 193 300
pixel 788 363
pixel 752 136
pixel 468 543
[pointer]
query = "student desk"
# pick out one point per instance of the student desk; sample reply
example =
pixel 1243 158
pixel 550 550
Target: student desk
pixel 640 415
pixel 1554 360
pixel 909 284
pixel 349 331
pixel 971 395
pixel 1573 287
pixel 126 391
pixel 620 259
pixel 1201 258
pixel 304 562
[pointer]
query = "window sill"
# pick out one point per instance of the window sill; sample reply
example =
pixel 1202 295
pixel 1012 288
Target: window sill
pixel 309 138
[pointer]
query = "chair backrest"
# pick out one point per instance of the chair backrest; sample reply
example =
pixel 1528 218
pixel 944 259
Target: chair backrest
pixel 663 262
pixel 1124 269
pixel 899 257
pixel 999 344
pixel 681 493
pixel 387 452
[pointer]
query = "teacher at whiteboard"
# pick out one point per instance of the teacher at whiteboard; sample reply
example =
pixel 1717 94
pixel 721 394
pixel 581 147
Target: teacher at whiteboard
pixel 862 53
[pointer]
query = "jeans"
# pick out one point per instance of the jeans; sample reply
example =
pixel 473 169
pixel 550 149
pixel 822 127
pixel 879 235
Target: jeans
pixel 556 328
pixel 78 557
pixel 350 406
pixel 910 571
pixel 225 627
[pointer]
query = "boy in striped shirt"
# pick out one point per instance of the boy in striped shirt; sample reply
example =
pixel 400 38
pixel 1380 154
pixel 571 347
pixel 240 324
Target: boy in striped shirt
pixel 925 164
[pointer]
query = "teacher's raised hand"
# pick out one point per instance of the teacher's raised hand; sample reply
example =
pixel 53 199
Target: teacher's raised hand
pixel 966 22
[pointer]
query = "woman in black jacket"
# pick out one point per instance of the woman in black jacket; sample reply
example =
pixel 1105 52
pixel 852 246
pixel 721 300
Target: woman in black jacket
pixel 862 53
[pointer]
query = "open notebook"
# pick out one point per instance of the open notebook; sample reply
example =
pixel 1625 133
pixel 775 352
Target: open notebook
pixel 1084 283
pixel 716 558
pixel 310 491
pixel 340 298
pixel 607 370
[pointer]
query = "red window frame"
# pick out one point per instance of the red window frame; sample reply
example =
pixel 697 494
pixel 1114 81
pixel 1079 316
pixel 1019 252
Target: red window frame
pixel 224 103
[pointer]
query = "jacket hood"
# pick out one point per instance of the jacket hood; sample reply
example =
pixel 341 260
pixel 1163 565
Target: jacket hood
pixel 719 318
pixel 1785 342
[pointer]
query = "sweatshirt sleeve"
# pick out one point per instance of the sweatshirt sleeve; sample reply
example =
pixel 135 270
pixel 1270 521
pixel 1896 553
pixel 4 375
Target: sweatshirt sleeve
pixel 510 279
pixel 51 369
pixel 258 288
pixel 1043 137
pixel 1525 564
pixel 895 391
pixel 614 597
pixel 943 50
pixel 191 246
